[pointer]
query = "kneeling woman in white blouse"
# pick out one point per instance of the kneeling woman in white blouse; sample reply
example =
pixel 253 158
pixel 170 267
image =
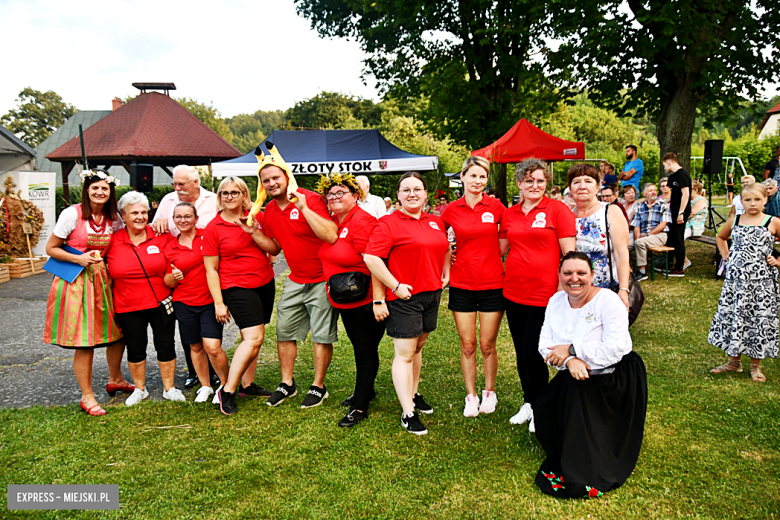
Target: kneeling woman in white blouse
pixel 590 419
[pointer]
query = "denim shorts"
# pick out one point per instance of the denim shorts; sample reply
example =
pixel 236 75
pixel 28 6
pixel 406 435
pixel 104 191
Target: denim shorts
pixel 197 322
pixel 487 300
pixel 415 316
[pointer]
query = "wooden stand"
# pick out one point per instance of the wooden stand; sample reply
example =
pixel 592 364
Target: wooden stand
pixel 24 267
pixel 5 273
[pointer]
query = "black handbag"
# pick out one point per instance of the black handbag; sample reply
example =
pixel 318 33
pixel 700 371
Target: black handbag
pixel 348 287
pixel 636 297
pixel 165 305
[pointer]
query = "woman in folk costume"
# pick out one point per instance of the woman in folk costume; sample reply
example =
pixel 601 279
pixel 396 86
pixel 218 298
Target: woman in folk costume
pixel 80 315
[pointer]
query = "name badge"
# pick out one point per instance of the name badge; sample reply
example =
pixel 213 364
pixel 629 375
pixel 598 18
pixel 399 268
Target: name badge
pixel 435 226
pixel 151 250
pixel 294 214
pixel 540 220
pixel 344 233
pixel 488 217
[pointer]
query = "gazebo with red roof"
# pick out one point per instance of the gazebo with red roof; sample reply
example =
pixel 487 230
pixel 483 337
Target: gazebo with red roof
pixel 152 128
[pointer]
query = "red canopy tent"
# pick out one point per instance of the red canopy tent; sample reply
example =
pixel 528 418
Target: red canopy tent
pixel 524 140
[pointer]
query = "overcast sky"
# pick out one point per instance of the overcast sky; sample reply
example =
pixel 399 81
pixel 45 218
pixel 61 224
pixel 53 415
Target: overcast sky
pixel 239 55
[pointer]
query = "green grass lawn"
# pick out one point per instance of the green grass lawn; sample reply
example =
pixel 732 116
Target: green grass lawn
pixel 710 451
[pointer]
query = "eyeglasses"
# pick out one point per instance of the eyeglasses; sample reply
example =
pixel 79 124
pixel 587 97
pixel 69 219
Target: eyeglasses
pixel 416 191
pixel 538 182
pixel 336 195
pixel 181 184
pixel 184 217
pixel 231 194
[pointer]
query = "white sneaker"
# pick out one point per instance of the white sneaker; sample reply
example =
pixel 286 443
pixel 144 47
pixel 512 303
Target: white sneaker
pixel 525 414
pixel 489 402
pixel 174 394
pixel 472 406
pixel 204 392
pixel 532 426
pixel 136 397
pixel 216 395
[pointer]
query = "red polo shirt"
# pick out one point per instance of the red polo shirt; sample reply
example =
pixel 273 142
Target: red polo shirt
pixel 478 264
pixel 346 255
pixel 534 254
pixel 131 289
pixel 414 249
pixel 296 238
pixel 241 261
pixel 193 289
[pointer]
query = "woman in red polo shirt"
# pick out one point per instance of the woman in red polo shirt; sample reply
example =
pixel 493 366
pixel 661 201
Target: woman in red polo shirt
pixel 537 233
pixel 136 263
pixel 418 267
pixel 186 275
pixel 241 282
pixel 342 262
pixel 474 219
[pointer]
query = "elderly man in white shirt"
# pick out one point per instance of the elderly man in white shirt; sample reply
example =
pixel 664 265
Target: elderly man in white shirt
pixel 186 184
pixel 372 204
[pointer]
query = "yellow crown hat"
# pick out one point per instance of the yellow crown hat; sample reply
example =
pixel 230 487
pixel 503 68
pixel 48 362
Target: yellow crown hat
pixel 274 158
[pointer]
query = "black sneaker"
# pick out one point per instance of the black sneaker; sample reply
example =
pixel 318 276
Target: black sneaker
pixel 215 380
pixel 314 397
pixel 191 381
pixel 412 424
pixel 347 403
pixel 282 392
pixel 420 405
pixel 352 418
pixel 227 402
pixel 253 391
pixel 640 275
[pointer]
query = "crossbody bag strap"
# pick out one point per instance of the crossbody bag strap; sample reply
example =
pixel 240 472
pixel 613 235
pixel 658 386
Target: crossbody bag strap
pixel 609 248
pixel 146 275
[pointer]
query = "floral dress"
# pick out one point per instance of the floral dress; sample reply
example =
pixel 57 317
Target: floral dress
pixel 746 322
pixel 592 240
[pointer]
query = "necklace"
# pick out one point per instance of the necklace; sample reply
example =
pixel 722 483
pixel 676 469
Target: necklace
pixel 98 228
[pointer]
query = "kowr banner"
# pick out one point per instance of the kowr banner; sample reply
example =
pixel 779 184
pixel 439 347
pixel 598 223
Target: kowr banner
pixel 40 189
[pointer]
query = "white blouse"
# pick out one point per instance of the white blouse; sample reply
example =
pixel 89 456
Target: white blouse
pixel 598 331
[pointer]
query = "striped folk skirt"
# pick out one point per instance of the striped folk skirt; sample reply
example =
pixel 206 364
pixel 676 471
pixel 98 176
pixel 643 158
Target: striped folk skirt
pixel 81 314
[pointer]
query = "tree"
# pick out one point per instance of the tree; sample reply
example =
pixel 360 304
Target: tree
pixel 478 63
pixel 37 115
pixel 249 130
pixel 334 110
pixel 209 116
pixel 668 59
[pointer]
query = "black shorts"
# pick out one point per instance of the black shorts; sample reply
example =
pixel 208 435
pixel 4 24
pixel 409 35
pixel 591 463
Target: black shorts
pixel 197 322
pixel 134 326
pixel 250 307
pixel 415 316
pixel 465 300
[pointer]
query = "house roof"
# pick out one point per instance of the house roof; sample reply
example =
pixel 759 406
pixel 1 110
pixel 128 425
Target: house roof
pixel 10 145
pixel 65 133
pixel 150 126
pixel 774 110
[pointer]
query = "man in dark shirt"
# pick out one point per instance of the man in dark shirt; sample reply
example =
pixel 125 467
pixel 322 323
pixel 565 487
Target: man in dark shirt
pixel 772 168
pixel 679 210
pixel 609 194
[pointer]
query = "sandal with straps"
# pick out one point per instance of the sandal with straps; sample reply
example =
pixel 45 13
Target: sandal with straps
pixel 756 375
pixel 95 411
pixel 731 366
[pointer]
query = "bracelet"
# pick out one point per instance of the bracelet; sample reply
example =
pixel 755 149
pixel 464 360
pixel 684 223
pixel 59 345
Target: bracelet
pixel 397 287
pixel 625 289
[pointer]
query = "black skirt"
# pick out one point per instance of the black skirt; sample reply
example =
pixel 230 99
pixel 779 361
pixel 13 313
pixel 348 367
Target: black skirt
pixel 591 430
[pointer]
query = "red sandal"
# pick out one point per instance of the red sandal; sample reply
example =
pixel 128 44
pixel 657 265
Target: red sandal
pixel 95 411
pixel 112 388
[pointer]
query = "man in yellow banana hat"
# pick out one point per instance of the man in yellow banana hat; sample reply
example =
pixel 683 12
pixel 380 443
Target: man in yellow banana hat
pixel 297 222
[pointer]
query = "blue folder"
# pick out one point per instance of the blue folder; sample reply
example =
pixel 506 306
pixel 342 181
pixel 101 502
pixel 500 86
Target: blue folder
pixel 68 271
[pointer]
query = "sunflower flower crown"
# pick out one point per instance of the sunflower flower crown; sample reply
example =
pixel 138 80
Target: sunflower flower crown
pixel 338 179
pixel 86 174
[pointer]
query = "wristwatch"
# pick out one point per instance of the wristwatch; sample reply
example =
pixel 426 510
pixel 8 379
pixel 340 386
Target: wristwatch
pixel 571 351
pixel 378 302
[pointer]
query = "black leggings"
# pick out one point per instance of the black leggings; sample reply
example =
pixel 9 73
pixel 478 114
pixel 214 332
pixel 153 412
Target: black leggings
pixel 525 325
pixel 676 239
pixel 365 333
pixel 134 325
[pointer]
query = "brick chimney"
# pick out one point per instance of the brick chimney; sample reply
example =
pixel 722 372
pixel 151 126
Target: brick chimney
pixel 116 103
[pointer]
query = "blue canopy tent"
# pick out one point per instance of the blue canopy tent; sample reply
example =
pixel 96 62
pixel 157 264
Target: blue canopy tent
pixel 317 152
